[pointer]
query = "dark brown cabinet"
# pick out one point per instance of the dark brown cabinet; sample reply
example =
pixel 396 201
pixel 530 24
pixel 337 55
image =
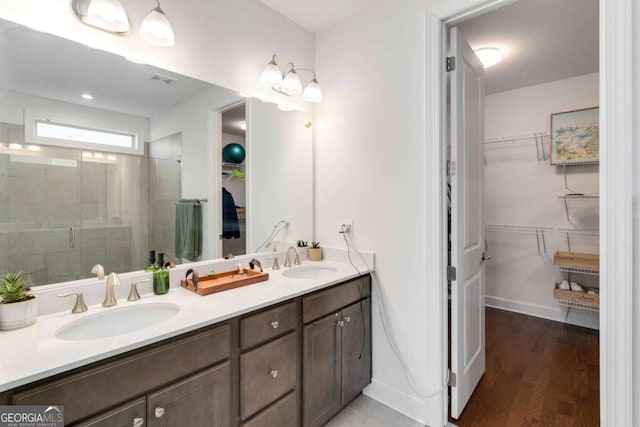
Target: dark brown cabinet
pixel 262 369
pixel 336 350
pixel 201 400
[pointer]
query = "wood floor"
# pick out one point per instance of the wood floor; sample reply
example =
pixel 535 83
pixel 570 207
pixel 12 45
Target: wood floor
pixel 538 373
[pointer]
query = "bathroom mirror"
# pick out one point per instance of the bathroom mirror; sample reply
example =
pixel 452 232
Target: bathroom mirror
pixel 96 150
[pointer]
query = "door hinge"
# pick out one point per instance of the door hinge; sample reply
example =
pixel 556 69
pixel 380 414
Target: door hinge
pixel 451 273
pixel 451 63
pixel 451 168
pixel 452 380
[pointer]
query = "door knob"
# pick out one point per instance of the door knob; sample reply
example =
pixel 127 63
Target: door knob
pixel 485 257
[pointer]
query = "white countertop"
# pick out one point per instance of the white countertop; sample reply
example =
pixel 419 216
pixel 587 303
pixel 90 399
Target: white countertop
pixel 34 353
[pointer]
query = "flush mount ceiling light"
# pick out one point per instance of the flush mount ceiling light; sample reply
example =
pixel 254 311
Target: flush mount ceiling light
pixel 156 29
pixel 489 56
pixel 289 83
pixel 105 15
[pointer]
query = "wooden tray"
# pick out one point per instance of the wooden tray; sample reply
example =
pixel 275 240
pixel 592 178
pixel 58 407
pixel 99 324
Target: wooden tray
pixel 578 260
pixel 220 282
pixel 568 295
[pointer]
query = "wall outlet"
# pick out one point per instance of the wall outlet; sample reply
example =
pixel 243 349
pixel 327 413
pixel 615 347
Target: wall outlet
pixel 347 227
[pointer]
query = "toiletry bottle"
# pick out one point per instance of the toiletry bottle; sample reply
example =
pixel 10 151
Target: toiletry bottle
pixel 160 277
pixel 152 262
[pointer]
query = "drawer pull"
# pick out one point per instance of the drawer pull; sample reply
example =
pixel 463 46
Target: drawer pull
pixel 340 323
pixel 347 319
pixel 275 324
pixel 274 373
pixel 159 412
pixel 138 422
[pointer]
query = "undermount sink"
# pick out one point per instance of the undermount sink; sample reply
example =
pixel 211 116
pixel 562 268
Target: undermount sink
pixel 309 272
pixel 117 321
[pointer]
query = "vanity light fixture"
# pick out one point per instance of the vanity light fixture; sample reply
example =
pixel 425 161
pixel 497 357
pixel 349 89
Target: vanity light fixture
pixel 289 83
pixel 156 29
pixel 489 56
pixel 33 147
pixel 14 146
pixel 110 16
pixel 105 15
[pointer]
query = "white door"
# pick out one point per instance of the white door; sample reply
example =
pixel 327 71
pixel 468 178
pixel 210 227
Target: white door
pixel 467 221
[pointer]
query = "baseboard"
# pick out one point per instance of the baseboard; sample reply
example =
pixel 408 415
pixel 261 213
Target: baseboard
pixel 407 404
pixel 575 316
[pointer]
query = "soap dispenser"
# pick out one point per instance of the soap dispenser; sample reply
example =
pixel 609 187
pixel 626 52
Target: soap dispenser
pixel 152 262
pixel 160 277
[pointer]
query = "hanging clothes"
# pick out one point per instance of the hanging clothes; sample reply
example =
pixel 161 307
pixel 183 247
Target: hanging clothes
pixel 230 226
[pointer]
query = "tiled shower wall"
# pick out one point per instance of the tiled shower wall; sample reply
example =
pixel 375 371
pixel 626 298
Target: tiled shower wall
pixel 61 213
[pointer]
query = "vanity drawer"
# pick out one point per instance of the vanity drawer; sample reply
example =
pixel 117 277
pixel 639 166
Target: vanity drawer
pixel 132 414
pixel 284 413
pixel 267 373
pixel 100 387
pixel 268 324
pixel 335 298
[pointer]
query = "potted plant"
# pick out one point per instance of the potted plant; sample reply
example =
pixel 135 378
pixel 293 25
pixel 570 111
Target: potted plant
pixel 302 247
pixel 18 308
pixel 315 252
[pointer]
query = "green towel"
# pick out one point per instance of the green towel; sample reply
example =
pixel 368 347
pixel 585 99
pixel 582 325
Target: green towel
pixel 188 229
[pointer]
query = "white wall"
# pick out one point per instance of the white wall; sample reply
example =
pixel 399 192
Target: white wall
pixel 371 162
pixel 194 119
pixel 520 190
pixel 227 43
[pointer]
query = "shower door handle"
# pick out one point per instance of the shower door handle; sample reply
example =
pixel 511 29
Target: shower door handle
pixel 72 237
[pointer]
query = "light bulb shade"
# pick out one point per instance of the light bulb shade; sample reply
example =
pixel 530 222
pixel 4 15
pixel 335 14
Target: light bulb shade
pixel 108 15
pixel 156 29
pixel 489 56
pixel 312 92
pixel 271 76
pixel 291 84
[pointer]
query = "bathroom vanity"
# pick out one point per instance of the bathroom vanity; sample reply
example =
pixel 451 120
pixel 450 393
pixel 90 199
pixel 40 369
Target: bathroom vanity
pixel 295 362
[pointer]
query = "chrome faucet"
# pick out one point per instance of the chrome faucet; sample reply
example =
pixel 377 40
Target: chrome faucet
pixel 287 261
pixel 109 298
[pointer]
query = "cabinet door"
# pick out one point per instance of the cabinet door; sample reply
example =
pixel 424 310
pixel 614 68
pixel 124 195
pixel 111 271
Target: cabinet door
pixel 356 349
pixel 201 400
pixel 133 414
pixel 321 370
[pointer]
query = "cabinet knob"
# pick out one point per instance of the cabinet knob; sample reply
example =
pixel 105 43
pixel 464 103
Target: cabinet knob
pixel 341 323
pixel 274 373
pixel 275 324
pixel 347 319
pixel 159 412
pixel 138 422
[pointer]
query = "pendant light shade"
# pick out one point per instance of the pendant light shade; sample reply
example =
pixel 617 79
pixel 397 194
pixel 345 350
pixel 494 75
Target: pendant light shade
pixel 107 15
pixel 291 84
pixel 312 92
pixel 156 29
pixel 271 76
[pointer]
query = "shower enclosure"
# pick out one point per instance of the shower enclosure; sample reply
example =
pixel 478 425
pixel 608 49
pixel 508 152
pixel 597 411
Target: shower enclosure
pixel 63 210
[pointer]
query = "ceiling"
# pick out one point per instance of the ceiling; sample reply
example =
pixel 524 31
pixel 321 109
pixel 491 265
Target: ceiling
pixel 317 16
pixel 39 64
pixel 543 40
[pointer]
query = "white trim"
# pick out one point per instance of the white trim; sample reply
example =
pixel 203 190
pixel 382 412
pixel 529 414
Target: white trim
pixel 436 226
pixel 407 404
pixel 616 215
pixel 616 242
pixel 586 319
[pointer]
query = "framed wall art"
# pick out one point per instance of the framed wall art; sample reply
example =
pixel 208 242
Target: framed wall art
pixel 575 137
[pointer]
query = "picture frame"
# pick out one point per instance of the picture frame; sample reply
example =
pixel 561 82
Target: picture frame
pixel 575 137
